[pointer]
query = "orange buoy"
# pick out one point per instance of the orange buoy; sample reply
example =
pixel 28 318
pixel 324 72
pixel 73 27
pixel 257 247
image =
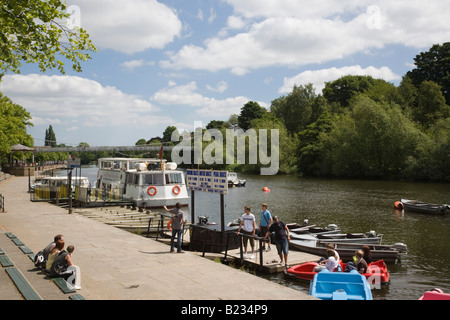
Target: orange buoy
pixel 398 205
pixel 265 189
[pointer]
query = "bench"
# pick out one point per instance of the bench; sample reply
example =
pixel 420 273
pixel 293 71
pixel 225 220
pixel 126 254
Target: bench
pixel 5 262
pixel 63 285
pixel 76 297
pixel 24 287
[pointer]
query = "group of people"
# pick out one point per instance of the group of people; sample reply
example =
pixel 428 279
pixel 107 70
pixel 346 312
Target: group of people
pixel 361 261
pixel 57 261
pixel 267 226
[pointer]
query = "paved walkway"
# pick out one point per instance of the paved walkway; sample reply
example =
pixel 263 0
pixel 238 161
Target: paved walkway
pixel 118 265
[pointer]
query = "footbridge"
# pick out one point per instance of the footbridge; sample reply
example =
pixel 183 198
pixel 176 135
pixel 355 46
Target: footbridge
pixel 105 148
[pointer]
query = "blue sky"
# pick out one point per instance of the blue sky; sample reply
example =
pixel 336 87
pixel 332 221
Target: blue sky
pixel 174 62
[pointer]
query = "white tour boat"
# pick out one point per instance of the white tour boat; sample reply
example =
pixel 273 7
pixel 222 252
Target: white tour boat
pixel 234 181
pixel 148 183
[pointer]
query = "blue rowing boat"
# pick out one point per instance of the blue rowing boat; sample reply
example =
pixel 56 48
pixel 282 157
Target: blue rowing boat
pixel 340 286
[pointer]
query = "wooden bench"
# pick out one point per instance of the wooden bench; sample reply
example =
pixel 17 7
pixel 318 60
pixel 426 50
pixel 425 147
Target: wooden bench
pixel 22 284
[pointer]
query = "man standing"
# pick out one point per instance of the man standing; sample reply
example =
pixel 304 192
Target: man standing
pixel 264 224
pixel 177 226
pixel 282 239
pixel 249 227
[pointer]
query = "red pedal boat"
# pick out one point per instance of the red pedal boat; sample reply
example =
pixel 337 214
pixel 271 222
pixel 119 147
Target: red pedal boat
pixel 377 273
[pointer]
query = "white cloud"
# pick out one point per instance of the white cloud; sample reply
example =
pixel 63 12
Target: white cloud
pixel 293 33
pixel 64 99
pixel 319 77
pixel 221 87
pixel 128 26
pixel 132 64
pixel 187 95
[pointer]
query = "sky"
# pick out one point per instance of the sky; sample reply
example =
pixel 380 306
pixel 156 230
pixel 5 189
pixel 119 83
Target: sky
pixel 177 63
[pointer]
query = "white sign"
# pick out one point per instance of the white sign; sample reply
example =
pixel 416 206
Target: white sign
pixel 207 180
pixel 73 161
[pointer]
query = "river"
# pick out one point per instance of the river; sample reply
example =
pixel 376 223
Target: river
pixel 355 206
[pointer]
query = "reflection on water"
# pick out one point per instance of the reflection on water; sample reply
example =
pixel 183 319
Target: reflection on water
pixel 355 206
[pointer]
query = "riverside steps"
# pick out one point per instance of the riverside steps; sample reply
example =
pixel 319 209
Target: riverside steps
pixel 119 265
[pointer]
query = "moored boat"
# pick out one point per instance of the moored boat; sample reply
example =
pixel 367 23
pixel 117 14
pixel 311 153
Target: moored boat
pixel 435 294
pixel 340 286
pixel 377 273
pixel 422 207
pixel 234 181
pixel 389 253
pixel 365 238
pixel 147 183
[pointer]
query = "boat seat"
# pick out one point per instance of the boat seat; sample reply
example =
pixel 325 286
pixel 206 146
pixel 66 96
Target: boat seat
pixel 326 289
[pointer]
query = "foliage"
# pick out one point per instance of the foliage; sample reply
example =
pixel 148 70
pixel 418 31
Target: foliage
pixel 50 137
pixel 250 111
pixel 433 65
pixel 14 121
pixel 35 31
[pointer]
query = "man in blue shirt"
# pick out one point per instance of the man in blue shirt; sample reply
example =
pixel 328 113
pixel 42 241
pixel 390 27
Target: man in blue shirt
pixel 264 224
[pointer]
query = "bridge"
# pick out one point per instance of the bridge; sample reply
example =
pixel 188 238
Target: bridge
pixel 138 148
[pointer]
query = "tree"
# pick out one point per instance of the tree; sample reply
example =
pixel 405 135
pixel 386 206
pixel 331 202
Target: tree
pixel 14 121
pixel 50 137
pixel 346 87
pixel 167 135
pixel 141 142
pixel 298 109
pixel 249 112
pixel 35 31
pixel 431 104
pixel 433 65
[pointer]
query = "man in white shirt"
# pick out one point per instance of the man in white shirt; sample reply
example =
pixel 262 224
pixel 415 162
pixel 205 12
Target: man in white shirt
pixel 248 227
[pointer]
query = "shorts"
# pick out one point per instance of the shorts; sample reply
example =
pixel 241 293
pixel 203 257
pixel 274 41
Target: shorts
pixel 282 246
pixel 245 239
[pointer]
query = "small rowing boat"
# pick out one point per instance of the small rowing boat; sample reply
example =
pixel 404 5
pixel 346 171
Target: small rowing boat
pixel 422 207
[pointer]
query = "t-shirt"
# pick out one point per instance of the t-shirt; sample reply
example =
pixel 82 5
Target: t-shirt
pixel 248 222
pixel 331 264
pixel 265 218
pixel 177 216
pixel 279 229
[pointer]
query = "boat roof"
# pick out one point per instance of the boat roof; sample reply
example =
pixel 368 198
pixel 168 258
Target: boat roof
pixel 133 159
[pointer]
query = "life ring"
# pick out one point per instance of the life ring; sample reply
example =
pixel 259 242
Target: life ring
pixel 176 189
pixel 152 193
pixel 169 224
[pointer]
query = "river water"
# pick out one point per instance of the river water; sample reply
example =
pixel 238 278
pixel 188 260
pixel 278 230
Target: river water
pixel 355 206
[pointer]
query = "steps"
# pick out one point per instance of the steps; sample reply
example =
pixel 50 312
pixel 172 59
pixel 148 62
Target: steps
pixel 21 280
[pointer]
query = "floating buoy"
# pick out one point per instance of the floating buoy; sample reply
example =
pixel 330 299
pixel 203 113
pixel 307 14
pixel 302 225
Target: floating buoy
pixel 265 189
pixel 398 205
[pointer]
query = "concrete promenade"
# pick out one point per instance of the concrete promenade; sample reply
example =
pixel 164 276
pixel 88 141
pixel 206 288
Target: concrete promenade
pixel 118 265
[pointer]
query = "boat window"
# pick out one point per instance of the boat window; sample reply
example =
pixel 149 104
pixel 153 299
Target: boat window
pixel 152 179
pixel 129 178
pixel 136 179
pixel 173 178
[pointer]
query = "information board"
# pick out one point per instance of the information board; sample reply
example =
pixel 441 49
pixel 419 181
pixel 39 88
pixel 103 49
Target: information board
pixel 207 180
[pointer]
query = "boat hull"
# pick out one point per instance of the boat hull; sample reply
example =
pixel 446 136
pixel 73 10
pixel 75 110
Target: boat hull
pixel 424 207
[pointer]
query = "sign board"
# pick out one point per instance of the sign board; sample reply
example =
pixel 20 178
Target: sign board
pixel 207 180
pixel 73 161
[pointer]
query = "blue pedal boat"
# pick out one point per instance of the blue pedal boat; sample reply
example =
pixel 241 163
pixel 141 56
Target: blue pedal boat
pixel 340 286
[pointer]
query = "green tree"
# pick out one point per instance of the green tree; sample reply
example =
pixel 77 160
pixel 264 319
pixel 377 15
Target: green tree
pixel 167 135
pixel 50 137
pixel 14 121
pixel 345 88
pixel 250 111
pixel 372 140
pixel 300 108
pixel 35 31
pixel 431 104
pixel 433 65
pixel 141 142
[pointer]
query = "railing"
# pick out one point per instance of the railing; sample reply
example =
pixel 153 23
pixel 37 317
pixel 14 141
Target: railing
pixel 241 249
